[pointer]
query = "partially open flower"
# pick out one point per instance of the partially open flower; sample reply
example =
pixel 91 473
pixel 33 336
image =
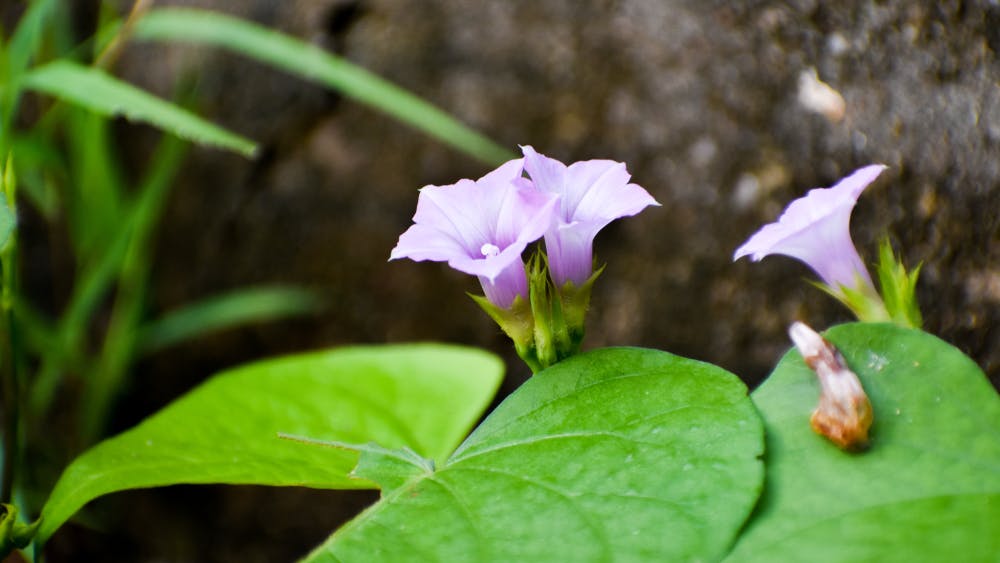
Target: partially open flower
pixel 816 230
pixel 592 194
pixel 481 228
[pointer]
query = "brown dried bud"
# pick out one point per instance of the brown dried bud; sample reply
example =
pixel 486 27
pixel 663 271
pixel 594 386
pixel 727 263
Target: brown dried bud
pixel 844 414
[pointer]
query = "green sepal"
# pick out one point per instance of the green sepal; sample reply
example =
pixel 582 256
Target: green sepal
pixel 861 299
pixel 574 302
pixel 517 323
pixel 545 310
pixel 548 327
pixel 897 303
pixel 14 535
pixel 898 287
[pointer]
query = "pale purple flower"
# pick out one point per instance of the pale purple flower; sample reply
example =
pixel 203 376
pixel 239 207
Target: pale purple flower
pixel 592 194
pixel 816 230
pixel 481 228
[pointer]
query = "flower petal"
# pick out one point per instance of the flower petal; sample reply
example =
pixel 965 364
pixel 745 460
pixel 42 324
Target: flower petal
pixel 503 288
pixel 481 228
pixel 454 211
pixel 421 242
pixel 548 174
pixel 524 216
pixel 594 193
pixel 603 193
pixel 816 230
pixel 570 249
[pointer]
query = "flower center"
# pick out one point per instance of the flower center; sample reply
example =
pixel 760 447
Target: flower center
pixel 489 250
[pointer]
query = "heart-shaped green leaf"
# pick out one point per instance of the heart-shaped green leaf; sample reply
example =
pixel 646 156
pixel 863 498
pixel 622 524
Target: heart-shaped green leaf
pixel 423 397
pixel 928 489
pixel 617 454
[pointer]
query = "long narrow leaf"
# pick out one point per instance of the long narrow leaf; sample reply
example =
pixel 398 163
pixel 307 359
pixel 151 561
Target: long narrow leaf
pixel 17 54
pixel 96 193
pixel 105 380
pixel 7 221
pixel 28 35
pixel 102 93
pixel 94 282
pixel 312 63
pixel 38 163
pixel 226 311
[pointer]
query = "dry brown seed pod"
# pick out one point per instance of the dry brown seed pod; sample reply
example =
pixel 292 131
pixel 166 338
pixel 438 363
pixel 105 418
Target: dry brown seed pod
pixel 844 414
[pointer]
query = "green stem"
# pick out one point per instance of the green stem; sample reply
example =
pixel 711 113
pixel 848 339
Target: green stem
pixel 119 346
pixel 110 53
pixel 11 385
pixel 9 350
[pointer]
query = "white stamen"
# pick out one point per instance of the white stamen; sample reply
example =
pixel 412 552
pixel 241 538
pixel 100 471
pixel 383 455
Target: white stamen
pixel 489 250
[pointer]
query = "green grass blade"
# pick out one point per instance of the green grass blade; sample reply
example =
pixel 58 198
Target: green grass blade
pixel 27 36
pixel 105 380
pixel 94 282
pixel 38 163
pixel 95 194
pixel 225 311
pixel 312 63
pixel 104 94
pixel 38 332
pixel 17 54
pixel 7 221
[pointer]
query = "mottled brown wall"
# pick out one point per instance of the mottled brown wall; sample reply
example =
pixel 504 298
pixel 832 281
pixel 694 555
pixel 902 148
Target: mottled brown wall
pixel 701 101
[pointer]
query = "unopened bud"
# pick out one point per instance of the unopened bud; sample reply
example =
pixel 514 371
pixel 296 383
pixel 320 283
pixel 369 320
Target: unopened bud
pixel 844 414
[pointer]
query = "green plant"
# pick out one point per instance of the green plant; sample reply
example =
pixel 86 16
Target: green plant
pixel 625 454
pixel 58 103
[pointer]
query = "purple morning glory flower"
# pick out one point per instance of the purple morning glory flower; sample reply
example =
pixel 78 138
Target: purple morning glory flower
pixel 592 194
pixel 816 230
pixel 481 228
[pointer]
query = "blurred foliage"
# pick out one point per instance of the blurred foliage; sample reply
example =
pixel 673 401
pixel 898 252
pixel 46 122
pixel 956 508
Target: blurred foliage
pixel 59 100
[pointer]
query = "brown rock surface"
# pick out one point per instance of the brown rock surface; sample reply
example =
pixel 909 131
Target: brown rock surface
pixel 700 99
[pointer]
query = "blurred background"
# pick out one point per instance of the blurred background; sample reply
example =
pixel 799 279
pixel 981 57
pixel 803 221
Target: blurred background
pixel 723 111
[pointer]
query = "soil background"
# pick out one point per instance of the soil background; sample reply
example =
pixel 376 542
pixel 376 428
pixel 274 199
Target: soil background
pixel 700 99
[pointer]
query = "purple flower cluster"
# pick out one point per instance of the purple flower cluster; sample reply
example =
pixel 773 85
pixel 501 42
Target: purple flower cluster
pixel 482 227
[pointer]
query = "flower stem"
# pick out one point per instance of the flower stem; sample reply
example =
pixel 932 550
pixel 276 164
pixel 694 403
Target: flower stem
pixel 11 385
pixel 9 372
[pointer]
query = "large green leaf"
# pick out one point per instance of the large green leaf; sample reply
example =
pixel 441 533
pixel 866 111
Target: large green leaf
pixel 424 397
pixel 104 94
pixel 618 454
pixel 927 490
pixel 313 63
